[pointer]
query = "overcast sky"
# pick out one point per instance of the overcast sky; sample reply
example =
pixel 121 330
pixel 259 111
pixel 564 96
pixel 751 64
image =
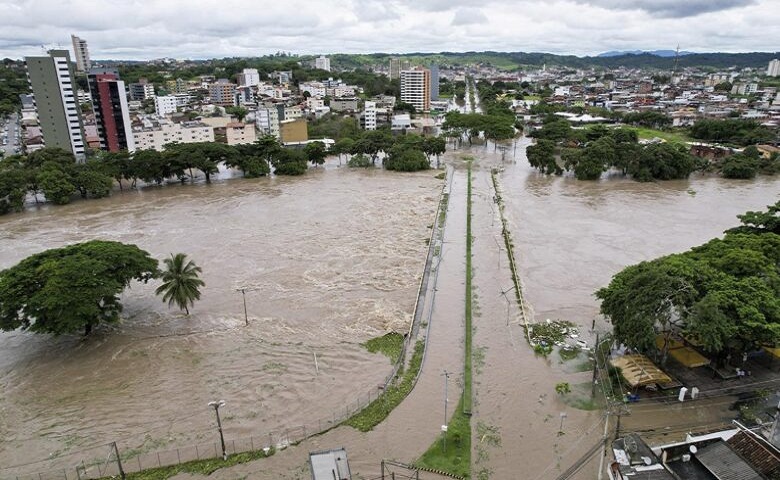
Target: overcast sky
pixel 145 29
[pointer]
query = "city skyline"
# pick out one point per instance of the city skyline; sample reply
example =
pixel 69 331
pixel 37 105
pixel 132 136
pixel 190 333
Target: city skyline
pixel 195 30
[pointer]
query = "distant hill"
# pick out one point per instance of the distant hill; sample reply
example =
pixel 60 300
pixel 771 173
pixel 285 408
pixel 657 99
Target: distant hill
pixel 658 53
pixel 518 60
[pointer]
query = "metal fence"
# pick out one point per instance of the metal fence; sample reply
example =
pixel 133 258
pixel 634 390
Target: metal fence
pixel 99 462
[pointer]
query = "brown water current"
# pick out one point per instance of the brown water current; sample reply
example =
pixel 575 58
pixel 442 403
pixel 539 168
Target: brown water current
pixel 328 261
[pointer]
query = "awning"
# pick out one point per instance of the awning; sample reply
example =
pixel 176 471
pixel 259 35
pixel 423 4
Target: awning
pixel 639 371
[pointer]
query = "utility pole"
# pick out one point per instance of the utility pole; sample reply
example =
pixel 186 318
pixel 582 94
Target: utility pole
pixel 246 317
pixel 118 461
pixel 216 406
pixel 595 367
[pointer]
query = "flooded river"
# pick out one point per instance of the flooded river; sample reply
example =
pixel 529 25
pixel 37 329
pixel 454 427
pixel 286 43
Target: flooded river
pixel 327 261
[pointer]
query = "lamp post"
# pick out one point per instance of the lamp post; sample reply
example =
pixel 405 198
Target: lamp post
pixel 216 405
pixel 243 296
pixel 444 425
pixel 560 430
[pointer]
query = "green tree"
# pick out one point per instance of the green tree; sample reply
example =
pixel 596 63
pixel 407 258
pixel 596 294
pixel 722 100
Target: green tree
pixel 89 179
pixel 315 152
pixel 290 162
pixel 542 157
pixel 56 185
pixel 64 290
pixel 239 112
pixel 181 282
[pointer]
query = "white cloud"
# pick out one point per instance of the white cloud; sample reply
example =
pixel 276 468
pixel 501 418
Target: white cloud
pixel 142 29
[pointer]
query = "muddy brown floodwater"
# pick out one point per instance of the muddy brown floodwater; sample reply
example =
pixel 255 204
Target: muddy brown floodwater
pixel 327 260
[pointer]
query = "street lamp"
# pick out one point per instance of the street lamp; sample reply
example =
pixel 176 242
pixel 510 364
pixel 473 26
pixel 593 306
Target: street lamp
pixel 243 295
pixel 560 430
pixel 444 425
pixel 216 405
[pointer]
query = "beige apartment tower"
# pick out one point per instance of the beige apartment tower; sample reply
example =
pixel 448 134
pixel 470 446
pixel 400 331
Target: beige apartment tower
pixel 81 52
pixel 416 88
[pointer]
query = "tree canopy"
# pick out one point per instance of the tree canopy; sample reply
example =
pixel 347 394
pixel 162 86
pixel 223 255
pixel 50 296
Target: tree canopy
pixel 725 293
pixel 65 290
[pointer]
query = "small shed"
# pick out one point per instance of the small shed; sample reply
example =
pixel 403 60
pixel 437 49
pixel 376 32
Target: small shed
pixel 330 465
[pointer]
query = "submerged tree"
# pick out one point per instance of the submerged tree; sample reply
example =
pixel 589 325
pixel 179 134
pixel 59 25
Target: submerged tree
pixel 64 290
pixel 181 282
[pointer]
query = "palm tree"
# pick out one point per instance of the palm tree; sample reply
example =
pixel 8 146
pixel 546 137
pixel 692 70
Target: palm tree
pixel 180 282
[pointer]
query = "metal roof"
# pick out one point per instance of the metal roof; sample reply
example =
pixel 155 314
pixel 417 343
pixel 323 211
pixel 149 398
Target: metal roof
pixel 725 464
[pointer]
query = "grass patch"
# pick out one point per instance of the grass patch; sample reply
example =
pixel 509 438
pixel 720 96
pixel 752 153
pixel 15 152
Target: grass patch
pixel 390 344
pixel 203 467
pixel 567 354
pixel 669 136
pixel 456 459
pixel 396 391
pixel 467 367
pixel 441 176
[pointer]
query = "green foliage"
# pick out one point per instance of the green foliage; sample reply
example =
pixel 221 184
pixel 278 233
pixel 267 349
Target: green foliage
pixel 390 344
pixel 181 282
pixel 562 388
pixel 13 82
pixel 456 459
pixel 661 161
pixel 334 126
pixel 290 162
pixel 391 397
pixel 63 290
pixel 406 159
pixel 739 166
pixel 359 161
pixel 760 222
pixel 199 467
pixel 725 293
pixel 648 119
pixel 542 157
pixel 734 131
pixel 315 152
pixel 239 112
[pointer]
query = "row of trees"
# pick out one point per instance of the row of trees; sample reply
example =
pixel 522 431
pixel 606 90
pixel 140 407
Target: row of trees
pixel 605 149
pixel 75 288
pixel 470 125
pixel 725 294
pixel 747 164
pixel 370 144
pixel 733 131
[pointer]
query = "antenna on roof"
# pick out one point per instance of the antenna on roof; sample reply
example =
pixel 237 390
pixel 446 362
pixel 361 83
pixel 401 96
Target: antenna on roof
pixel 676 59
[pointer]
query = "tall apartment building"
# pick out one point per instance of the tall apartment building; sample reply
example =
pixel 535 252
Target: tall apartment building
pixel 416 88
pixel 369 116
pixel 141 90
pixel 222 93
pixel 52 82
pixel 267 119
pixel 434 68
pixel 396 66
pixel 322 62
pixel 112 116
pixel 773 70
pixel 249 77
pixel 165 104
pixel 81 52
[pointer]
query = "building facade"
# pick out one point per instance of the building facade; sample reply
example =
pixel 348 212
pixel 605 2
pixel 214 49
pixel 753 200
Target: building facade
pixel 249 77
pixel 165 105
pixel 416 88
pixel 369 116
pixel 267 120
pixel 81 52
pixel 141 91
pixel 112 117
pixel 240 133
pixel 52 82
pixel 773 70
pixel 294 131
pixel 434 81
pixel 322 62
pixel 168 132
pixel 223 93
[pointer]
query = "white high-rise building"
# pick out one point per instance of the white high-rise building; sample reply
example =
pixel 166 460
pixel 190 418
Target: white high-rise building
pixel 322 62
pixel 164 105
pixel 249 77
pixel 81 52
pixel 773 70
pixel 369 116
pixel 416 88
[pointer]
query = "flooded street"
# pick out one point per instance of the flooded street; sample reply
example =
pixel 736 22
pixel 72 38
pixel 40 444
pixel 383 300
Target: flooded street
pixel 328 261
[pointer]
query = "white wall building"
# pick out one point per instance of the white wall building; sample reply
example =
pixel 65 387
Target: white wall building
pixel 315 89
pixel 249 77
pixel 416 88
pixel 322 62
pixel 168 132
pixel 773 70
pixel 240 133
pixel 267 120
pixel 369 116
pixel 81 52
pixel 165 105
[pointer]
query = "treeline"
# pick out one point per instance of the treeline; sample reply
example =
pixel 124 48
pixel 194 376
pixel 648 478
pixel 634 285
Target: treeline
pixel 725 294
pixel 470 125
pixel 733 131
pixel 55 173
pixel 13 82
pixel 589 152
pixel 405 153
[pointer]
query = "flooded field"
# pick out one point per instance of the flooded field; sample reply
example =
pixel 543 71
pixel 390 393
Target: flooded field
pixel 327 261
